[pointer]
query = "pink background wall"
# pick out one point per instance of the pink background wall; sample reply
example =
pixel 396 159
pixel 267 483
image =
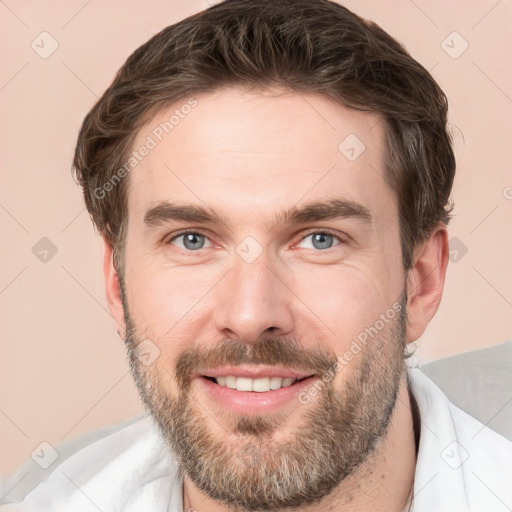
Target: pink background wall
pixel 62 367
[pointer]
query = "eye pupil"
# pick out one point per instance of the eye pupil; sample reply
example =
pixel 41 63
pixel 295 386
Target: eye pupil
pixel 324 240
pixel 190 239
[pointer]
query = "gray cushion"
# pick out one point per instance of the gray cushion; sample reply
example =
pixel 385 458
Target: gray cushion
pixel 480 383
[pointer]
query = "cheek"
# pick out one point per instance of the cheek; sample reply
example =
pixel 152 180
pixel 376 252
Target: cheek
pixel 347 301
pixel 163 301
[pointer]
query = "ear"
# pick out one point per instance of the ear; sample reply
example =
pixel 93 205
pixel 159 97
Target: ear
pixel 425 282
pixel 112 288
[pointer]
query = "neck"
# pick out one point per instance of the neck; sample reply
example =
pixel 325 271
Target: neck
pixel 383 483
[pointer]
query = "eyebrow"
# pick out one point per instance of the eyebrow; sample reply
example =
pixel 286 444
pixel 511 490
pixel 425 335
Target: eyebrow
pixel 166 211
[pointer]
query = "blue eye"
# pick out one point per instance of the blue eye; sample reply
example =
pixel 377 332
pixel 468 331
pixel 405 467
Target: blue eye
pixel 192 240
pixel 321 240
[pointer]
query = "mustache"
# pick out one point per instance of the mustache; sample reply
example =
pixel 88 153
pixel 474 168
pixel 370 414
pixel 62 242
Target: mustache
pixel 270 351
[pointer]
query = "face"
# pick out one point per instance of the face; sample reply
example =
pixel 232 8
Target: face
pixel 263 254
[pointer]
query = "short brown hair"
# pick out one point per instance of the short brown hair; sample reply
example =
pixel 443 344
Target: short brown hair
pixel 314 46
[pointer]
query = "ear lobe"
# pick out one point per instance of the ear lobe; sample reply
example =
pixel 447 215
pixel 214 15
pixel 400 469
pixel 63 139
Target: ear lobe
pixel 425 282
pixel 112 288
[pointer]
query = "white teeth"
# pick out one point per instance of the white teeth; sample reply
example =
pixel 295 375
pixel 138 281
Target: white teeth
pixel 230 382
pixel 243 384
pixel 275 382
pixel 259 385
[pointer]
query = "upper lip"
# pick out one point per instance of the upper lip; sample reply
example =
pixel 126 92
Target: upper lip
pixel 255 372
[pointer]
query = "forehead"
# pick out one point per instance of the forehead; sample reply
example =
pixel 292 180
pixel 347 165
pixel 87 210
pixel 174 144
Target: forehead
pixel 234 150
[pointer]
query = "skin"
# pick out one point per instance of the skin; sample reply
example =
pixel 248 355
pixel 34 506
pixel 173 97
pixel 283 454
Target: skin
pixel 250 155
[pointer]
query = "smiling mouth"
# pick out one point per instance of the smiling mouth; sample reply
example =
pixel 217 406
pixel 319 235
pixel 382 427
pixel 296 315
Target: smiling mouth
pixel 259 385
pixel 259 394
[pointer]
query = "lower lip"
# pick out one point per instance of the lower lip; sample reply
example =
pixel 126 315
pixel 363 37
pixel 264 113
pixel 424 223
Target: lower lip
pixel 254 402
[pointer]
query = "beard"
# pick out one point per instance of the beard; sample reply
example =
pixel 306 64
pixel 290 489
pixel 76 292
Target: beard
pixel 244 465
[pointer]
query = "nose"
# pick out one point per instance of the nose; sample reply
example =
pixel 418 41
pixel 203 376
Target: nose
pixel 254 301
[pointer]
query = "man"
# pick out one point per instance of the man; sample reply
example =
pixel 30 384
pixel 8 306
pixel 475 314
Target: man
pixel 272 181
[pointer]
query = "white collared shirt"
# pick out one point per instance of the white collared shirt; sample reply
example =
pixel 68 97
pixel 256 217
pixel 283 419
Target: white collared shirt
pixel 462 466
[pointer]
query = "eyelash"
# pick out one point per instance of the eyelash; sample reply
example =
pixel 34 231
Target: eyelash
pixel 199 232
